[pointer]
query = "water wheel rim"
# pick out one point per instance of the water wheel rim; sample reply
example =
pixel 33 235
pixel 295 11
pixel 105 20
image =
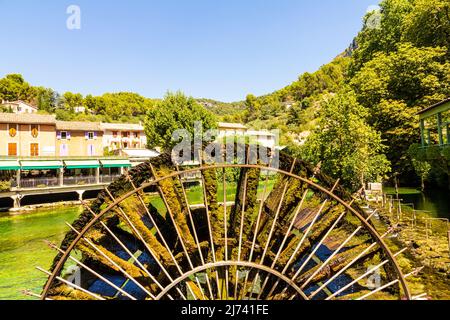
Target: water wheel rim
pixel 401 278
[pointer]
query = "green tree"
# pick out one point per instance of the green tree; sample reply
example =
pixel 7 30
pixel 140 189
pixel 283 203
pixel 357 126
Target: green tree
pixel 382 36
pixel 176 111
pixel 422 169
pixel 417 76
pixel 345 145
pixel 394 87
pixel 14 87
pixel 428 24
pixel 72 100
pixel 252 108
pixel 45 99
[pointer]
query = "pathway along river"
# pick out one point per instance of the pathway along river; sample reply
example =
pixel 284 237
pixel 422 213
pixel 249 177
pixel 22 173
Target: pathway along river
pixel 22 247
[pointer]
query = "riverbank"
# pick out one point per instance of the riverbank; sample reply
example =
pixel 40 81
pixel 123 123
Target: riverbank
pixel 428 247
pixel 435 201
pixel 22 247
pixel 44 206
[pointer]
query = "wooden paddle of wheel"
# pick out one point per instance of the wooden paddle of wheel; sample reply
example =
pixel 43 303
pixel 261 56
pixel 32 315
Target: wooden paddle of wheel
pixel 224 231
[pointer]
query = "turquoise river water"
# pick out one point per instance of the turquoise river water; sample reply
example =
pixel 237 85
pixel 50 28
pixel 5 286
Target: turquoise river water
pixel 22 248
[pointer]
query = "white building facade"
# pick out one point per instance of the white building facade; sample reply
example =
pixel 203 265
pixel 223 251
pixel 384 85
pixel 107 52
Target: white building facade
pixel 231 129
pixel 20 107
pixel 123 136
pixel 265 138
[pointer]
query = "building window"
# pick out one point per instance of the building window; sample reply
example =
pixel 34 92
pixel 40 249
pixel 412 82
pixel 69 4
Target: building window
pixel 114 134
pixel 136 135
pixel 34 130
pixel 63 135
pixel 91 150
pixel 34 149
pixel 125 134
pixel 64 150
pixel 12 149
pixel 90 136
pixel 12 130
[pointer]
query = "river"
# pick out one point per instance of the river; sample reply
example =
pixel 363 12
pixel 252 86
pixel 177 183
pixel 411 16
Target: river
pixel 436 201
pixel 22 248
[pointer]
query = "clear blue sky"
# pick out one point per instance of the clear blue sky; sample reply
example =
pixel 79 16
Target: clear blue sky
pixel 219 49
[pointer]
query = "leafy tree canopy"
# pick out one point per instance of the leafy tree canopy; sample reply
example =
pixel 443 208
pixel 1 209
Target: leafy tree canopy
pixel 345 145
pixel 14 87
pixel 176 111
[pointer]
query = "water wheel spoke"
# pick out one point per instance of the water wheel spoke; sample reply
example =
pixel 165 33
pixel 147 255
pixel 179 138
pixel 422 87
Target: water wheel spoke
pixel 142 238
pixel 73 285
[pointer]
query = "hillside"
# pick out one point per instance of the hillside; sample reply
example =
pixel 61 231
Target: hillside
pixel 397 65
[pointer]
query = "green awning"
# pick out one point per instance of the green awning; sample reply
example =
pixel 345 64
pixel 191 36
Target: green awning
pixel 41 165
pixel 9 165
pixel 116 163
pixel 81 164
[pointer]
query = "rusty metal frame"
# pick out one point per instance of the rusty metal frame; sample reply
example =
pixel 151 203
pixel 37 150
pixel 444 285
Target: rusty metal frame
pixel 390 257
pixel 232 263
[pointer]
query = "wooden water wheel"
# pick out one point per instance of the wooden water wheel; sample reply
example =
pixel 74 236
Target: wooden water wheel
pixel 224 231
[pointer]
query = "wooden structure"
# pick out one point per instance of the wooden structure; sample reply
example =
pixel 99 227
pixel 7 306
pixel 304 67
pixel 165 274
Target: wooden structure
pixel 435 124
pixel 291 235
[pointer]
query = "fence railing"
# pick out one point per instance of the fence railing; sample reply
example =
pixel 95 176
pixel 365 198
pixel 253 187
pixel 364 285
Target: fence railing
pixel 109 178
pixel 80 180
pixel 32 183
pixel 39 182
pixel 406 213
pixel 191 175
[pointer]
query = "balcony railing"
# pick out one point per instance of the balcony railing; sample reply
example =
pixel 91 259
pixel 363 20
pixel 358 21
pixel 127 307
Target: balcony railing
pixel 426 146
pixel 33 183
pixel 196 175
pixel 39 182
pixel 109 178
pixel 81 180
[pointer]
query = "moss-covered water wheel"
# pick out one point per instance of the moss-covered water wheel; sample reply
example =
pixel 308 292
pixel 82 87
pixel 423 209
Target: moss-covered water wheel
pixel 282 233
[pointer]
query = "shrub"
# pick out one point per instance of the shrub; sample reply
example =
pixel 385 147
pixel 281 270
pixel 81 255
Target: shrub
pixel 5 185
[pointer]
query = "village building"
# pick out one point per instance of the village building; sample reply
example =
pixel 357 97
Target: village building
pixel 27 135
pixel 231 129
pixel 261 137
pixel 137 156
pixel 123 136
pixel 79 109
pixel 19 107
pixel 264 138
pixel 40 155
pixel 76 138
